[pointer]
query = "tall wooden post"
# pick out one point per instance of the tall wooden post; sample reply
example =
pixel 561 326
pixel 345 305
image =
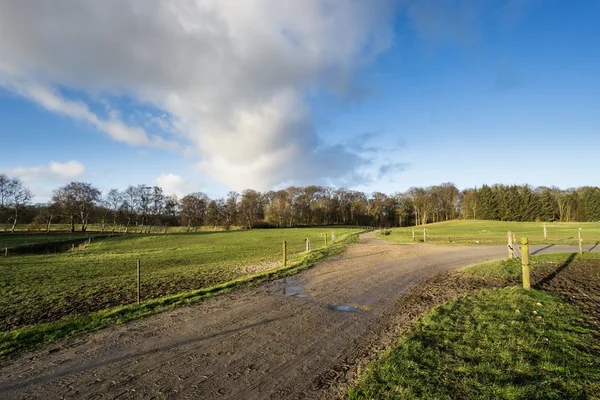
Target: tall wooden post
pixel 332 237
pixel 525 263
pixel 284 253
pixel 580 242
pixel 511 254
pixel 413 232
pixel 138 280
pixel 424 235
pixel 545 232
pixel 6 252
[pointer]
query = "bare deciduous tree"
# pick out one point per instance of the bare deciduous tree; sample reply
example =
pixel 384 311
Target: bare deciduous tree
pixel 77 199
pixel 17 197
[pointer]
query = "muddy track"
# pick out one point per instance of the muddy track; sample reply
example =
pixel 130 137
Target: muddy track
pixel 299 339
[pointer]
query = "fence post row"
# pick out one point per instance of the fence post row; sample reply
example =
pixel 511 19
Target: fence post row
pixel 138 281
pixel 285 264
pixel 525 263
pixel 545 232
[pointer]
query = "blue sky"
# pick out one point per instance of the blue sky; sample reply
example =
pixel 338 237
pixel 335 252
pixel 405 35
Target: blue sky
pixel 466 92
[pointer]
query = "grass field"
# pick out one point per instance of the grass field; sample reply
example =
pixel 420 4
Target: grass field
pixel 61 232
pixel 24 239
pixel 43 288
pixel 46 297
pixel 499 343
pixel 495 232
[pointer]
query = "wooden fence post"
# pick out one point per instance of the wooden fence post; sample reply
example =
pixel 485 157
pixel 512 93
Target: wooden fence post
pixel 6 252
pixel 510 246
pixel 545 232
pixel 525 263
pixel 413 233
pixel 325 240
pixel 580 242
pixel 138 280
pixel 284 253
pixel 332 237
pixel 424 235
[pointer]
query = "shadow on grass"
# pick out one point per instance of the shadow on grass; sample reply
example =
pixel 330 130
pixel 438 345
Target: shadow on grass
pixel 593 247
pixel 540 284
pixel 542 249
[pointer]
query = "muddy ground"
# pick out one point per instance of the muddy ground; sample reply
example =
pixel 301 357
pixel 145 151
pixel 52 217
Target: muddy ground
pixel 303 338
pixel 577 282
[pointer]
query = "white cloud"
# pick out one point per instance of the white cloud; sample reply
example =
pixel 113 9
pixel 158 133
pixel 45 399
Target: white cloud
pixel 70 169
pixel 54 171
pixel 233 76
pixel 112 126
pixel 174 184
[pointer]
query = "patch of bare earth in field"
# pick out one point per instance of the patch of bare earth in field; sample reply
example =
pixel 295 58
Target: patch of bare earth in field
pixel 301 339
pixel 575 281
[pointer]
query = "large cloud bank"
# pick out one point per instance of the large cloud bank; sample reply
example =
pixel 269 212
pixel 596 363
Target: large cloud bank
pixel 229 81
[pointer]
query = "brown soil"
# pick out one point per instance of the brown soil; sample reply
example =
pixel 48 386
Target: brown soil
pixel 258 342
pixel 577 282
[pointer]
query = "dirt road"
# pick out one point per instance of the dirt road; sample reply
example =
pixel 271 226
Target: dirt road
pixel 256 343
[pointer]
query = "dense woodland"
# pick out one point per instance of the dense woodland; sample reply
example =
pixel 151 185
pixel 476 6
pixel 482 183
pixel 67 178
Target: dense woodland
pixel 142 208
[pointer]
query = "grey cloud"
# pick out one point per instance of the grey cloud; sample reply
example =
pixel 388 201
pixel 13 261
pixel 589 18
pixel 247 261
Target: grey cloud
pixel 391 168
pixel 232 76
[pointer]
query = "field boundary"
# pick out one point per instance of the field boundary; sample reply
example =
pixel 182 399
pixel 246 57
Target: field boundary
pixel 31 336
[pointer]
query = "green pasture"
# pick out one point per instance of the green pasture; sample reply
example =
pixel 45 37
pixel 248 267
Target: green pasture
pixel 44 288
pixel 493 344
pixel 495 232
pixel 25 235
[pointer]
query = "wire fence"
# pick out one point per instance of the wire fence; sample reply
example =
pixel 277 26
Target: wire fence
pixel 93 275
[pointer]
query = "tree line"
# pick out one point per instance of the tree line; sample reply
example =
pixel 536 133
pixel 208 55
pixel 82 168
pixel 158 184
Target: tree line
pixel 142 208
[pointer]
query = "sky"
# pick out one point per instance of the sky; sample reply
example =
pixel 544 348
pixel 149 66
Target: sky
pixel 377 95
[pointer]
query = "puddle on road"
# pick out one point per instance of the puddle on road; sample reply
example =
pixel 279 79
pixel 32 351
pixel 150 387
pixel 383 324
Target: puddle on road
pixel 296 291
pixel 343 308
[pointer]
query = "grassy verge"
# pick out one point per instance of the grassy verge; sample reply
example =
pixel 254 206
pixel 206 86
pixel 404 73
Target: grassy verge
pixel 28 337
pixel 497 343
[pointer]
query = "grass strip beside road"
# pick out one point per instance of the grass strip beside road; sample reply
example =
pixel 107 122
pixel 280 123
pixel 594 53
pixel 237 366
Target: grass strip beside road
pixel 494 343
pixel 31 336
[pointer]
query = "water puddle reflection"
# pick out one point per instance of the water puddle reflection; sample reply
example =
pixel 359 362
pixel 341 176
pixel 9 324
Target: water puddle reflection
pixel 343 308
